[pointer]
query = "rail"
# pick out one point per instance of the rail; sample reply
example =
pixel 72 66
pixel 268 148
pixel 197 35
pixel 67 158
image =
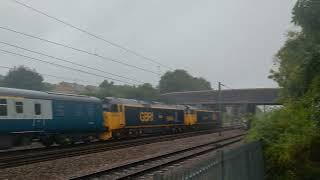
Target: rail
pixel 134 170
pixel 24 157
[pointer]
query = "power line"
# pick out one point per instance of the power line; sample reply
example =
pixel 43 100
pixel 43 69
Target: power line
pixel 71 62
pixel 228 87
pixel 91 34
pixel 57 77
pixel 224 85
pixel 79 50
pixel 62 66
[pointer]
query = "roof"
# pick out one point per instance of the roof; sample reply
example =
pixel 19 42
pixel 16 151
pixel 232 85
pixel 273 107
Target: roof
pixel 158 105
pixel 45 95
pixel 231 96
pixel 138 103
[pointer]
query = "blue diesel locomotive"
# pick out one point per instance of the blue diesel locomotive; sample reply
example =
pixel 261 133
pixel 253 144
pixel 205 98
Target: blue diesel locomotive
pixel 27 115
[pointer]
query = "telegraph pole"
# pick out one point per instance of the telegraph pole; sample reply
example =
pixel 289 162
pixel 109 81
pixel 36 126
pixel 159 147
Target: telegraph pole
pixel 159 71
pixel 219 106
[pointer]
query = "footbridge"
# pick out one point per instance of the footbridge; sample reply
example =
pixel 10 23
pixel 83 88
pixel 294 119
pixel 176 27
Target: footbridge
pixel 232 100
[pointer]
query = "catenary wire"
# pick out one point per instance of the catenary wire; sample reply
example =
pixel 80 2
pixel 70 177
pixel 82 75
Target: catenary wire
pixel 79 50
pixel 62 66
pixel 54 76
pixel 91 34
pixel 228 87
pixel 71 62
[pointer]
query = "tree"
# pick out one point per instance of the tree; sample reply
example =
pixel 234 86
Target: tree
pixel 106 84
pixel 299 59
pixel 298 64
pixel 147 92
pixel 290 135
pixel 48 86
pixel 306 15
pixel 141 92
pixel 23 78
pixel 181 80
pixel 1 80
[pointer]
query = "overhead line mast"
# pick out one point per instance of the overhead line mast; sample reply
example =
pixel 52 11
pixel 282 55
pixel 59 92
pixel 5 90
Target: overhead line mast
pixel 91 34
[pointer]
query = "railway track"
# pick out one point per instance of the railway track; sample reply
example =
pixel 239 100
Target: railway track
pixel 24 157
pixel 149 166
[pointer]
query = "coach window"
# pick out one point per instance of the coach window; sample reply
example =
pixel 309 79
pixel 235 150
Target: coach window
pixel 3 107
pixel 37 109
pixel 19 107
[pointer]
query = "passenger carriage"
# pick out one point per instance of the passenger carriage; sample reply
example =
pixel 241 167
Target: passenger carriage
pixel 50 117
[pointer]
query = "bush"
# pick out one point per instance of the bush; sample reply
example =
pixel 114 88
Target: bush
pixel 287 135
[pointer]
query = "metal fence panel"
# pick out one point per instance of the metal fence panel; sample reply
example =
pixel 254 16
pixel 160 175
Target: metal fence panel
pixel 242 163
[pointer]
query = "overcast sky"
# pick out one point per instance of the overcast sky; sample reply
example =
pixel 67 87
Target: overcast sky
pixel 232 41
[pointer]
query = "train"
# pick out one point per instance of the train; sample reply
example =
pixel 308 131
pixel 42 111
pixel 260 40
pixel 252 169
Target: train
pixel 58 118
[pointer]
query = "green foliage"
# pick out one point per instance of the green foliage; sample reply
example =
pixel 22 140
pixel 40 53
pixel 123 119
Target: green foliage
pixel 287 135
pixel 141 92
pixel 23 78
pixel 181 80
pixel 299 63
pixel 306 14
pixel 1 80
pixel 48 86
pixel 299 59
pixel 105 84
pixel 178 80
pixel 290 135
pixel 147 92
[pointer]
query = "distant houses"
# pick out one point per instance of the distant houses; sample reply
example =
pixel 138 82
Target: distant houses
pixel 74 88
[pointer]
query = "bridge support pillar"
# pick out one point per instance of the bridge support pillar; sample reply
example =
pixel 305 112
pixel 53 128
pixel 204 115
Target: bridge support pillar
pixel 251 108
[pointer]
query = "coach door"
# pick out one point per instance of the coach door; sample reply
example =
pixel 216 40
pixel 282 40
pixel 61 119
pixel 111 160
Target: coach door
pixel 39 123
pixel 42 110
pixel 91 118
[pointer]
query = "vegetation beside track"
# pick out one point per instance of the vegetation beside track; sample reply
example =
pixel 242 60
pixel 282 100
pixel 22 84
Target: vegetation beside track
pixel 291 134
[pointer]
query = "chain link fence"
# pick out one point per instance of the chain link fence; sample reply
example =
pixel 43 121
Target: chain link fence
pixel 242 163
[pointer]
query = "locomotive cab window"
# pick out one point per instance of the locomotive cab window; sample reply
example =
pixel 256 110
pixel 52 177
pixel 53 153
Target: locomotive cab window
pixel 19 107
pixel 3 107
pixel 106 107
pixel 114 108
pixel 189 111
pixel 37 109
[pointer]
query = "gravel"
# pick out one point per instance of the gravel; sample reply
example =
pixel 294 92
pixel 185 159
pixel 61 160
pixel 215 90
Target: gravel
pixel 190 163
pixel 67 168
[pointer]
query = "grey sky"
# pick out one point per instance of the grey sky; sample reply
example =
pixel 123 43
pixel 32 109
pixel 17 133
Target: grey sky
pixel 232 41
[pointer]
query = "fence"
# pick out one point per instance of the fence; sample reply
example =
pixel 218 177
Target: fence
pixel 242 163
